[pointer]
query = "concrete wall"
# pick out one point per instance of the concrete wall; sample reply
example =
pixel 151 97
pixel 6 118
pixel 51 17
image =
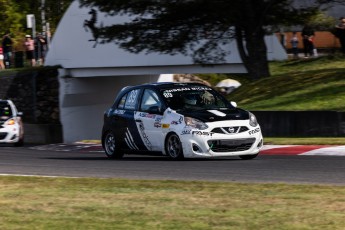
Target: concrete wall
pixel 42 133
pixel 36 94
pixel 84 100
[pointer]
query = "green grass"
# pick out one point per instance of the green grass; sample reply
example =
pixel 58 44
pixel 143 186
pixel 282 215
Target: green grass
pixel 296 85
pixel 89 203
pixel 304 140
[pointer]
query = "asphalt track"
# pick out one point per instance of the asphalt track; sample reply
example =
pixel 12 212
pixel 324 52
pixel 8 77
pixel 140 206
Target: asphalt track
pixel 283 164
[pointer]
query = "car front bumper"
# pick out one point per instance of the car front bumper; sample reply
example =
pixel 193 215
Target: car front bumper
pixel 206 143
pixel 9 134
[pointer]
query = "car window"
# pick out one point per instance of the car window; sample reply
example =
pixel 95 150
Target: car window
pixel 193 98
pixel 122 102
pixel 5 109
pixel 150 99
pixel 132 99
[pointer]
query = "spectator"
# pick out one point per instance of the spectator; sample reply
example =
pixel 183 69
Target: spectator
pixel 294 45
pixel 7 49
pixel 340 33
pixel 2 66
pixel 308 35
pixel 40 48
pixel 30 50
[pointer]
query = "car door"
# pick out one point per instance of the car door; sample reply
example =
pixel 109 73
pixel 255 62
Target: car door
pixel 123 122
pixel 148 119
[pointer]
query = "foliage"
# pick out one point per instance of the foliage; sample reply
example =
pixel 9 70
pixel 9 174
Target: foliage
pixel 304 140
pixel 322 22
pixel 13 17
pixel 53 9
pixel 10 18
pixel 202 28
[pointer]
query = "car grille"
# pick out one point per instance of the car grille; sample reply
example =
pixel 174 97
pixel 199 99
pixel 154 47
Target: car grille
pixel 236 145
pixel 3 135
pixel 230 130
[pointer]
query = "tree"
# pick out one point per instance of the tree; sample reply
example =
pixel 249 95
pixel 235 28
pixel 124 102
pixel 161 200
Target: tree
pixel 13 17
pixel 10 17
pixel 202 26
pixel 53 9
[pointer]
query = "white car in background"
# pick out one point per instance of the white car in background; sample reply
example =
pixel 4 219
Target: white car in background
pixel 11 125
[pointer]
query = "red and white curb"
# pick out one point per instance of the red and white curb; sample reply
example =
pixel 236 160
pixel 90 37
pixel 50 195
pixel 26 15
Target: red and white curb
pixel 308 150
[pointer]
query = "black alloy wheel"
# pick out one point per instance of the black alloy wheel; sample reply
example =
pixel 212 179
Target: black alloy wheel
pixel 173 147
pixel 110 147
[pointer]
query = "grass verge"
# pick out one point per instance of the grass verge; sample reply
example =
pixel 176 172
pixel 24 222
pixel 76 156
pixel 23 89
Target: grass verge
pixel 304 140
pixel 294 85
pixel 70 203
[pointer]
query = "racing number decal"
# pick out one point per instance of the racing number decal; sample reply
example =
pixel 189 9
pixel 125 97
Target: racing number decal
pixel 167 95
pixel 132 99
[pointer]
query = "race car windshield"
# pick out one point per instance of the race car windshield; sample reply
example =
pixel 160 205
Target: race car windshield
pixel 194 98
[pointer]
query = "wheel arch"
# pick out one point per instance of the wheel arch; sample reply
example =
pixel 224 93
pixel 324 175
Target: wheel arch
pixel 104 132
pixel 165 140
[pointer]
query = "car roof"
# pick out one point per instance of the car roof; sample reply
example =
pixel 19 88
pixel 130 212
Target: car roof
pixel 156 85
pixel 164 85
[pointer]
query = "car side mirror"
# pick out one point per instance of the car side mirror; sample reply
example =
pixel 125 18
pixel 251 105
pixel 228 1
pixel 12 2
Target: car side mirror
pixel 154 109
pixel 234 104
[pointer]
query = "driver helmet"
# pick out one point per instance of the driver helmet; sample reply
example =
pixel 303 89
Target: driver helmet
pixel 190 99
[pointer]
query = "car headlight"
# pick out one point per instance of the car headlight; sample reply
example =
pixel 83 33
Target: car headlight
pixel 252 120
pixel 10 122
pixel 195 123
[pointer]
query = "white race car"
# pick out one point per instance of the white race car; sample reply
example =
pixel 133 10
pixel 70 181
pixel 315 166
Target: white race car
pixel 11 125
pixel 180 120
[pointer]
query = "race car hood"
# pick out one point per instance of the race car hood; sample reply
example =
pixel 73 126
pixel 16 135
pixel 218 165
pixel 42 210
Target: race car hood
pixel 217 115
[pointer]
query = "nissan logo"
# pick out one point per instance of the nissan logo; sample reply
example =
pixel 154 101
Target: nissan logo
pixel 231 129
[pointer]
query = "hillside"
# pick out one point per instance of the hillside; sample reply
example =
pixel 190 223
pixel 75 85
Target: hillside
pixel 295 85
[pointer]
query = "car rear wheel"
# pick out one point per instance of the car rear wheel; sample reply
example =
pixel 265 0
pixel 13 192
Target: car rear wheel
pixel 110 147
pixel 249 157
pixel 173 147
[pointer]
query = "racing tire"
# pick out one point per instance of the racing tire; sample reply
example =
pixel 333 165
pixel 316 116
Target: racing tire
pixel 249 157
pixel 110 146
pixel 173 147
pixel 19 143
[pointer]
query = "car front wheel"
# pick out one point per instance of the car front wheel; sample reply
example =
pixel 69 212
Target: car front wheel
pixel 19 143
pixel 110 146
pixel 173 147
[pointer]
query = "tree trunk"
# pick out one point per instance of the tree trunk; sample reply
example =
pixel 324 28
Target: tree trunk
pixel 253 52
